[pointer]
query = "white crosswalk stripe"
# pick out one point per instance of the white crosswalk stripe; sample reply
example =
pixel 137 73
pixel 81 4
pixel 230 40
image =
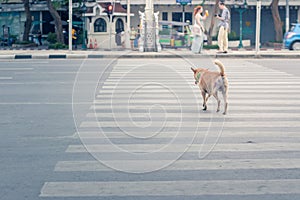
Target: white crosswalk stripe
pixel 146 113
pixel 188 164
pixel 170 188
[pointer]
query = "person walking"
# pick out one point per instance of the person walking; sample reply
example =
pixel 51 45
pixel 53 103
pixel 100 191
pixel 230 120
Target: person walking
pixel 66 37
pixel 138 34
pixel 74 38
pixel 198 29
pixel 39 37
pixel 223 27
pixel 132 37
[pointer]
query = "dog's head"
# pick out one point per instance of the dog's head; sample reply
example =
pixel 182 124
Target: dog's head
pixel 197 74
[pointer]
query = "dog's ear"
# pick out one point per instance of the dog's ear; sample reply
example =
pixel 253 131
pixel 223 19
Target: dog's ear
pixel 193 69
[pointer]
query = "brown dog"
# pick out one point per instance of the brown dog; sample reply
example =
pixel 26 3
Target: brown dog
pixel 212 82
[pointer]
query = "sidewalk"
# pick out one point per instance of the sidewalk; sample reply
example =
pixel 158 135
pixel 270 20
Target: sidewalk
pixel 166 53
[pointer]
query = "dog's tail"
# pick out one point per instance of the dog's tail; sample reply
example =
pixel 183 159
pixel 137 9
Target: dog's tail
pixel 221 66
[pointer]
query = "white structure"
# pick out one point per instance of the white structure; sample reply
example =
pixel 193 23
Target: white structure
pixel 101 32
pixel 149 39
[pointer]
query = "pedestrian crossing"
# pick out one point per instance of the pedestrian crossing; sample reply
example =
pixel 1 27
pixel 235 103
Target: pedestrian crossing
pixel 146 137
pixel 173 188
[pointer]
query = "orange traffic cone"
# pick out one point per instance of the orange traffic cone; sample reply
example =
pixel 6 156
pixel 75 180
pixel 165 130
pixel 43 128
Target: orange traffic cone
pixel 91 44
pixel 95 44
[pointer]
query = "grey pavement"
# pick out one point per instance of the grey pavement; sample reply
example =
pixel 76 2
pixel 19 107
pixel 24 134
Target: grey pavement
pixel 134 129
pixel 166 53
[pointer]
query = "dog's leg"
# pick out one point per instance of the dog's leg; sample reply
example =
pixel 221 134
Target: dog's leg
pixel 207 100
pixel 225 95
pixel 218 100
pixel 207 97
pixel 204 100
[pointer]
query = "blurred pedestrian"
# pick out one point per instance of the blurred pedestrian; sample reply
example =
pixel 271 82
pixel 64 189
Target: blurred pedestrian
pixel 223 27
pixel 66 38
pixel 198 29
pixel 138 35
pixel 39 37
pixel 132 37
pixel 74 38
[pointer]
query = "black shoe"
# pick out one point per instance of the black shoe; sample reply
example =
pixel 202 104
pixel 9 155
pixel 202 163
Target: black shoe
pixel 225 52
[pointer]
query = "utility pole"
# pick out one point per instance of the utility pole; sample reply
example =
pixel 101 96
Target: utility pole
pixel 258 16
pixel 287 16
pixel 110 31
pixel 83 10
pixel 110 11
pixel 70 24
pixel 127 33
pixel 183 17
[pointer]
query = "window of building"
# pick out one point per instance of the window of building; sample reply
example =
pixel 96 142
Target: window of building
pixel 165 16
pixel 100 25
pixel 119 26
pixel 177 16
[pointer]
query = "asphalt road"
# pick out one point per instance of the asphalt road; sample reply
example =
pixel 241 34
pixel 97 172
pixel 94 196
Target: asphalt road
pixel 134 129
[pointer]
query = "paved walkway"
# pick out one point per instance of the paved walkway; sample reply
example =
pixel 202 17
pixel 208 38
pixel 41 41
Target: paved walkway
pixel 44 54
pixel 144 118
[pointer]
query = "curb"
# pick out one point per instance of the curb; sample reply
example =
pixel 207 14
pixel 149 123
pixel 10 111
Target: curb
pixel 279 56
pixel 7 56
pixel 130 56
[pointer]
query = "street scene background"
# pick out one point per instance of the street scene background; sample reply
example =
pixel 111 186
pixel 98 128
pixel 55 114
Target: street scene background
pixel 47 152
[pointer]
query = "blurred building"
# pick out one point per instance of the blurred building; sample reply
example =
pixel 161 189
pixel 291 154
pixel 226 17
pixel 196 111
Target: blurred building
pixel 97 24
pixel 170 11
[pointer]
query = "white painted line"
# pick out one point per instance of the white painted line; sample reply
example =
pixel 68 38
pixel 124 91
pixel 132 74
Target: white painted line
pixel 249 147
pixel 196 89
pixel 185 83
pixel 121 86
pixel 184 124
pixel 6 78
pixel 183 65
pixel 44 103
pixel 228 164
pixel 187 69
pixel 170 188
pixel 136 70
pixel 98 136
pixel 124 106
pixel 146 73
pixel 45 83
pixel 15 69
pixel 126 102
pixel 190 75
pixel 181 78
pixel 176 109
pixel 232 81
pixel 257 116
pixel 232 96
pixel 177 74
pixel 66 72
